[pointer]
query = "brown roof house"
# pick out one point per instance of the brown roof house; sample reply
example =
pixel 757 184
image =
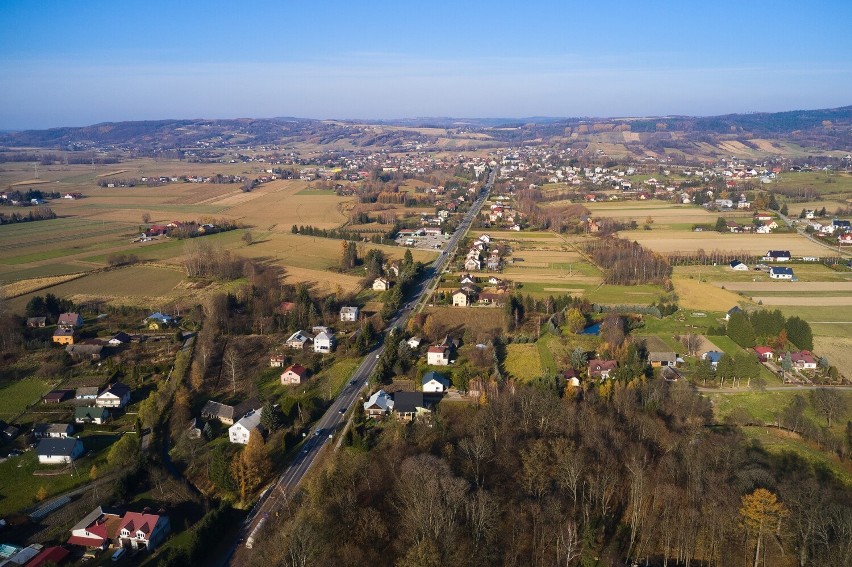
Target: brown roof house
pixel 295 374
pixel 598 368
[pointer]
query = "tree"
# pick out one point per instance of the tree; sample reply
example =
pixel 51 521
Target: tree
pixel 578 358
pixel 93 472
pixel 703 370
pixel 829 403
pixel 124 452
pixel 799 333
pixel 575 320
pixel 41 495
pixel 252 466
pixel 691 343
pixel 269 416
pixel 740 330
pixel 146 218
pixel 784 210
pixel 232 364
pixel 721 225
pixel 761 514
pixel 247 238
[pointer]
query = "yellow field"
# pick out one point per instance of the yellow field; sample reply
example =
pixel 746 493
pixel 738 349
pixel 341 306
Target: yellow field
pixel 703 296
pixel 321 281
pixel 838 350
pixel 669 242
pixel 34 284
pixel 805 301
pixel 797 287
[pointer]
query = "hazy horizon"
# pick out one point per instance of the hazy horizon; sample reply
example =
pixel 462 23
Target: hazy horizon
pixel 104 62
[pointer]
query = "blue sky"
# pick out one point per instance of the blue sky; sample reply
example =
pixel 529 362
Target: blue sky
pixel 69 63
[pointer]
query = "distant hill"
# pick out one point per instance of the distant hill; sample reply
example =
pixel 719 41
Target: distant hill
pixel 824 128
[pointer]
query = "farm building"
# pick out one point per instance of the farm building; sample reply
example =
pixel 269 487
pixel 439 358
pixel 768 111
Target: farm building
pixel 658 359
pixel 738 266
pixel 54 430
pixel 778 256
pixel 224 413
pixel 34 322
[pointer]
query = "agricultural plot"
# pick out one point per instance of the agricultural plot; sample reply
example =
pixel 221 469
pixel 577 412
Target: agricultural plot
pixel 523 361
pixel 702 296
pixel 687 242
pixel 17 395
pixel 482 323
pixel 280 204
pixel 660 212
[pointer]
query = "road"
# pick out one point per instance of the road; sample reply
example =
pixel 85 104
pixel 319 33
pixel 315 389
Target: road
pixel 810 237
pixel 322 432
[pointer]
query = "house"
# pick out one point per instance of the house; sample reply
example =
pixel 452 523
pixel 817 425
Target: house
pixel 438 355
pixel 277 360
pixel 413 343
pixel 461 299
pixel 96 528
pixel 91 414
pixel 714 356
pixel 731 311
pixel 842 225
pixel 85 352
pixel 87 393
pixel 493 297
pixel 8 431
pixel 120 338
pixel 764 353
pixel 472 263
pixel 224 413
pixel 53 430
pixel 241 431
pixel 598 368
pixel 571 378
pixel 298 340
pixel 493 280
pixel 780 273
pixel 142 531
pixel 803 360
pixel 409 405
pixel 381 284
pixel 379 404
pixel 434 382
pixel 157 321
pixel 738 266
pixel 52 451
pixel 658 359
pixel 778 256
pixel 295 374
pixel 70 320
pixel 467 279
pixel 56 396
pixel 53 555
pixel 348 314
pixel 34 322
pixel 324 342
pixel 63 336
pixel 117 395
pixel 845 238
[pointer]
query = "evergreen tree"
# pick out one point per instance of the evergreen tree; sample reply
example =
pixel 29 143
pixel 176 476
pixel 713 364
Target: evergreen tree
pixel 799 333
pixel 721 225
pixel 740 330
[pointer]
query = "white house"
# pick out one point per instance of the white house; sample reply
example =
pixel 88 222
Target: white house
pixel 53 430
pixel 738 266
pixel 413 342
pixel 348 314
pixel 295 374
pixel 780 273
pixel 52 451
pixel 434 383
pixel 242 430
pixel 324 342
pixel 438 355
pixel 472 264
pixel 381 284
pixel 379 404
pixel 115 396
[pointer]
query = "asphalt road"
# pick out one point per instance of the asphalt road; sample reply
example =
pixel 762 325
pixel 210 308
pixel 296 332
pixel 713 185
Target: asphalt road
pixel 334 418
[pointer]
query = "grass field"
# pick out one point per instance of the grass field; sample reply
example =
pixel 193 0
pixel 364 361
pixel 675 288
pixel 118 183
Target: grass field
pixel 523 361
pixel 702 296
pixel 482 323
pixel 767 406
pixel 17 395
pixel 777 441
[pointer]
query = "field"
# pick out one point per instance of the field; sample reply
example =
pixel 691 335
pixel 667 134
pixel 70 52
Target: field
pixel 702 296
pixel 688 242
pixel 523 361
pixel 777 441
pixel 838 350
pixel 17 395
pixel 481 322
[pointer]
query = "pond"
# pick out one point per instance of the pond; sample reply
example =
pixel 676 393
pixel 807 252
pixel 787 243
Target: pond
pixel 592 330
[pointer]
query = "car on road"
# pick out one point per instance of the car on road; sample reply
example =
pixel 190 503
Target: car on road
pixel 353 382
pixel 341 411
pixel 318 432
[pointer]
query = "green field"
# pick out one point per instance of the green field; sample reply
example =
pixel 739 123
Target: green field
pixel 777 442
pixel 523 361
pixel 17 395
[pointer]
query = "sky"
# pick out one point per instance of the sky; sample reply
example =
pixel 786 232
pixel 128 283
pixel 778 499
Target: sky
pixel 65 63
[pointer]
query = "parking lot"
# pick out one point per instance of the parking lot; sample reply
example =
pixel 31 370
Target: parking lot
pixel 424 242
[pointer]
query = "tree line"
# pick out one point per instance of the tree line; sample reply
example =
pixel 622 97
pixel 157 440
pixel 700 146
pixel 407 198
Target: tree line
pixel 628 263
pixel 39 213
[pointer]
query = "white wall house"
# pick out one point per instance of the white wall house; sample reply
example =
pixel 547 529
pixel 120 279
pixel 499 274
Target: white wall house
pixel 323 342
pixel 241 431
pixel 52 451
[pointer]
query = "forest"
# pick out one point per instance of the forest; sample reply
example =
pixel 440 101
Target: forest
pixel 633 472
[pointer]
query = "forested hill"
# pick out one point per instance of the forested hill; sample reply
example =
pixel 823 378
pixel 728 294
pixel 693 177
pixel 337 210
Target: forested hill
pixel 816 126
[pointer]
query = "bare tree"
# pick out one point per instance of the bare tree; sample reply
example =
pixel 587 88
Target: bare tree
pixel 146 218
pixel 691 343
pixel 232 365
